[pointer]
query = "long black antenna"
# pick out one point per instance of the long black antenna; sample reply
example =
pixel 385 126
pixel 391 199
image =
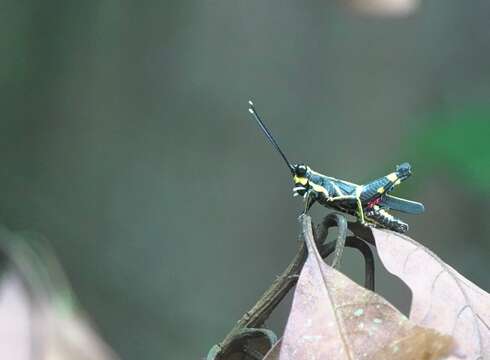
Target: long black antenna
pixel 267 133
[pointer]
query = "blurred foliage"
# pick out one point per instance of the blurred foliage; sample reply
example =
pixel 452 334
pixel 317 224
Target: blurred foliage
pixel 39 318
pixel 457 141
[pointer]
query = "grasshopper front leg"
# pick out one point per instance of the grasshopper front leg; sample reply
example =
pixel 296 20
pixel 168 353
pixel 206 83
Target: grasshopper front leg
pixel 309 200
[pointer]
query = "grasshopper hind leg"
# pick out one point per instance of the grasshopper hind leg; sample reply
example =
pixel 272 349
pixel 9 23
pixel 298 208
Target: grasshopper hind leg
pixel 382 218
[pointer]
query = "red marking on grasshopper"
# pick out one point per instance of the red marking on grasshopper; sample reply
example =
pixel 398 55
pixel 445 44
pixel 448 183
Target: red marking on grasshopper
pixel 374 202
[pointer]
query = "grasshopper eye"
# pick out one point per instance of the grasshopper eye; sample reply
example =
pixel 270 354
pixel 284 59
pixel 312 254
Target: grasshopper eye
pixel 300 170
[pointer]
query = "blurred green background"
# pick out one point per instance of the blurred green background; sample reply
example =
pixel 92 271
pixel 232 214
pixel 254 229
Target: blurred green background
pixel 125 140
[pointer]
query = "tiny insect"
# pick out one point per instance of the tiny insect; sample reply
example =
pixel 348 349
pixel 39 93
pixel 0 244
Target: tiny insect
pixel 369 203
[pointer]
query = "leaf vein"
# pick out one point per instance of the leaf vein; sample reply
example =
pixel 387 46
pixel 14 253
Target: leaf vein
pixel 448 269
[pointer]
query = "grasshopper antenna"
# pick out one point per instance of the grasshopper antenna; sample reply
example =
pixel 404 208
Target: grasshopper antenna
pixel 268 134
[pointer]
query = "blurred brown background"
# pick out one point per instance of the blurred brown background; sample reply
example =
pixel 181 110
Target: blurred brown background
pixel 125 140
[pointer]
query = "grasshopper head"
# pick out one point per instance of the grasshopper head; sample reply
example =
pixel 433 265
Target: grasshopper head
pixel 301 180
pixel 403 171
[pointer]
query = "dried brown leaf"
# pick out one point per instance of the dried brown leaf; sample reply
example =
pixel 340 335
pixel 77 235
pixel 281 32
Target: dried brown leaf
pixel 334 318
pixel 442 298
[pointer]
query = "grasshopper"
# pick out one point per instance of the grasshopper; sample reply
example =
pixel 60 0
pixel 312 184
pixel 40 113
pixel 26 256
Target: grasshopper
pixel 369 203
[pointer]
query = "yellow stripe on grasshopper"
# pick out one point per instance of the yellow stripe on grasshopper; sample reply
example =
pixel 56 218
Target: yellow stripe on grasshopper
pixel 304 181
pixel 392 177
pixel 300 180
pixel 319 188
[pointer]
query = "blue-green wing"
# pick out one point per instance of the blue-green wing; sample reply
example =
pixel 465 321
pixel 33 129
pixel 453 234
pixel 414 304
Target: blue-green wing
pixel 403 205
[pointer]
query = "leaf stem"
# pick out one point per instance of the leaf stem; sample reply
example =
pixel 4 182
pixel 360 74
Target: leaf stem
pixel 249 325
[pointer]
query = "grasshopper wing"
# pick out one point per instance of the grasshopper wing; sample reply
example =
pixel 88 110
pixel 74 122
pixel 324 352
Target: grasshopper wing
pixel 403 205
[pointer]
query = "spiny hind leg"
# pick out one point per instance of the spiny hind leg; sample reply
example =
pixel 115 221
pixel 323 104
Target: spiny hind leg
pixel 384 219
pixel 386 183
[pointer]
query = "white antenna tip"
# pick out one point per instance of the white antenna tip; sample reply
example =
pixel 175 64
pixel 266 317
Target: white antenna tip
pixel 250 103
